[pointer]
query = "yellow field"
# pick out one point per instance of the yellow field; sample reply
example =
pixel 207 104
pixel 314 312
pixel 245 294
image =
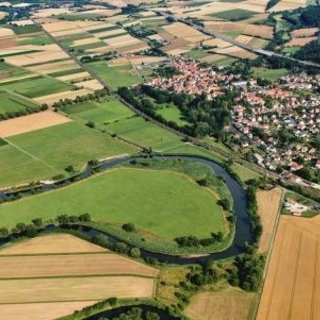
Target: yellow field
pixel 74 289
pixel 61 273
pixel 53 243
pixel 268 207
pixel 292 286
pixel 52 310
pixel 31 122
pixel 70 265
pixel 227 305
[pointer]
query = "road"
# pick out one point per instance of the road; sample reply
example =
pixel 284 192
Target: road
pixel 215 34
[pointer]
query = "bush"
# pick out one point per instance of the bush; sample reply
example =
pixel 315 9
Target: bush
pixel 129 227
pixel 135 253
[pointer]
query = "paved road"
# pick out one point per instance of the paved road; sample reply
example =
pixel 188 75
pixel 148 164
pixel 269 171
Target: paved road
pixel 215 34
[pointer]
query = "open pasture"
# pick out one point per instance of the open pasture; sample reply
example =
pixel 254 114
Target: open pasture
pixel 269 204
pixel 11 103
pixel 36 87
pixel 27 156
pixel 116 76
pixel 164 203
pixel 291 288
pixel 107 111
pixel 145 133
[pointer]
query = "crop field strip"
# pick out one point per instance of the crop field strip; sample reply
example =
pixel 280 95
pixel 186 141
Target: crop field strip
pixel 291 287
pixel 66 273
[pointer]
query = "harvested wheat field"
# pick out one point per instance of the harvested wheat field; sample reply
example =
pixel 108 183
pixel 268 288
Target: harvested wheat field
pixel 61 273
pixel 36 311
pixel 292 285
pixel 53 243
pixel 226 305
pixel 61 265
pixel 74 289
pixel 30 123
pixel 269 203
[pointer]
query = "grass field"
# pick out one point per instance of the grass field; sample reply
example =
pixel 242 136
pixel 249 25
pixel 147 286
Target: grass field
pixel 145 133
pixel 232 304
pixel 36 87
pixel 116 76
pixel 270 74
pixel 172 113
pixel 164 203
pixel 11 103
pixel 108 111
pixel 291 289
pixel 268 207
pixel 234 14
pixel 70 274
pixel 46 152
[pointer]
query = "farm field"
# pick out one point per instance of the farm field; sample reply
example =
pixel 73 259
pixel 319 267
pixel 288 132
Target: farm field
pixel 135 202
pixel 51 244
pixel 45 282
pixel 270 74
pixel 116 76
pixel 26 156
pixel 10 103
pixel 30 123
pixel 269 204
pixel 145 133
pixel 291 287
pixel 108 111
pixel 231 304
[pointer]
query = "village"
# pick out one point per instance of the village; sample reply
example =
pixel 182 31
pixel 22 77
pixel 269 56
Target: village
pixel 279 120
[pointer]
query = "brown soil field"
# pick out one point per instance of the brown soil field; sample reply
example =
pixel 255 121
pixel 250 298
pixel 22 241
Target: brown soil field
pixel 31 122
pixel 41 311
pixel 261 31
pixel 307 32
pixel 300 42
pixel 225 26
pixel 90 84
pixel 74 289
pixel 59 265
pixel 227 305
pixel 292 285
pixel 244 39
pixel 51 244
pixel 268 207
pixel 284 5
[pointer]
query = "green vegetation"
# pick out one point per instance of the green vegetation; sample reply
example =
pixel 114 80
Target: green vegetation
pixel 47 152
pixel 39 39
pixel 31 28
pixel 234 14
pixel 270 74
pixel 10 104
pixel 108 111
pixel 163 203
pixel 116 76
pixel 172 113
pixel 36 86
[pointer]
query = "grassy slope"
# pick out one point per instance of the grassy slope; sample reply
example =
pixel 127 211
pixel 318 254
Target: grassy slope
pixel 163 202
pixel 10 103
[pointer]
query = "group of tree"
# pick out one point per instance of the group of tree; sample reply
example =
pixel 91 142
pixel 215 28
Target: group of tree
pixel 205 117
pixel 193 241
pixel 20 113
